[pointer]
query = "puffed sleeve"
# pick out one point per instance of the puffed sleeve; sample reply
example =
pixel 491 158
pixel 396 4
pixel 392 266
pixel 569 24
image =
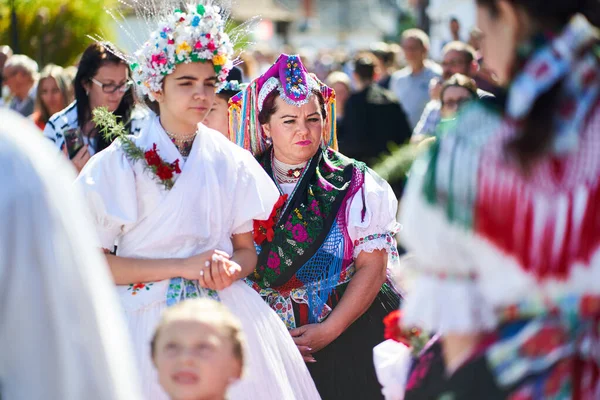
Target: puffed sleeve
pixel 255 195
pixel 372 221
pixel 108 185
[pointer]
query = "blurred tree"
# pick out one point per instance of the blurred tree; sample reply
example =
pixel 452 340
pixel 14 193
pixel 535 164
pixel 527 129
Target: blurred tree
pixel 55 31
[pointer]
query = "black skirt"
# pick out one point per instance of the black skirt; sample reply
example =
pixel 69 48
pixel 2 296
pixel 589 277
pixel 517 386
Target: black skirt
pixel 344 369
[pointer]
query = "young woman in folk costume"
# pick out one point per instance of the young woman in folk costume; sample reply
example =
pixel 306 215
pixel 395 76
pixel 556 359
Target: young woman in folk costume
pixel 502 216
pixel 323 258
pixel 179 201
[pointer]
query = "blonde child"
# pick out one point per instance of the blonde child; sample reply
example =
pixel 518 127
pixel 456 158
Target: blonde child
pixel 198 350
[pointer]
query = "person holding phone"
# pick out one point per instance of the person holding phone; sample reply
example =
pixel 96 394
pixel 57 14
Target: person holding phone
pixel 102 80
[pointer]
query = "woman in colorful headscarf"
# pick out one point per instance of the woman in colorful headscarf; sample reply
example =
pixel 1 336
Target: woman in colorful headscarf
pixel 502 216
pixel 178 200
pixel 323 257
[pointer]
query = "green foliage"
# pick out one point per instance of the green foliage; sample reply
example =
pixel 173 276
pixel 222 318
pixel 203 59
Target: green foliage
pixel 394 167
pixel 56 31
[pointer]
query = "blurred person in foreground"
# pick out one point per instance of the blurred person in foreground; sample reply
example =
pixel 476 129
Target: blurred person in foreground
pixel 373 117
pixel 501 216
pixel 62 334
pixel 102 80
pixel 20 74
pixel 411 84
pixel 199 350
pixel 53 94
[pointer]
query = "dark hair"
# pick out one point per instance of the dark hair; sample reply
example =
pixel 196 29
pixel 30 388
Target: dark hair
pixel 94 57
pixel 270 108
pixel 459 80
pixel 226 95
pixel 536 133
pixel 364 68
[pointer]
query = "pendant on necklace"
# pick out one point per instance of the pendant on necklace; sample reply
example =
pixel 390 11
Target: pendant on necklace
pixel 295 173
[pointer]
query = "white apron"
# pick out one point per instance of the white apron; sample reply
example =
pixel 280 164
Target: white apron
pixel 220 191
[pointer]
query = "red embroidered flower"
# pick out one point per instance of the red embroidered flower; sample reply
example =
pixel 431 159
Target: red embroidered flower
pixel 138 286
pixel 175 166
pixel 152 157
pixel 263 230
pixel 164 172
pixel 211 46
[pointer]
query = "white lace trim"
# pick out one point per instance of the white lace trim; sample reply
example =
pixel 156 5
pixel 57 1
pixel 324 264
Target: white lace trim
pixel 372 245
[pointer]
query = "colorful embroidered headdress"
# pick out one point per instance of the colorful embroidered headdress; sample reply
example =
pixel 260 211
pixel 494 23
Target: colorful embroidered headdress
pixel 295 85
pixel 194 33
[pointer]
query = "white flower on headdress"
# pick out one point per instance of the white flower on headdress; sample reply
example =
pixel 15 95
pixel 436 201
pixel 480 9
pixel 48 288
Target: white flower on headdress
pixel 198 34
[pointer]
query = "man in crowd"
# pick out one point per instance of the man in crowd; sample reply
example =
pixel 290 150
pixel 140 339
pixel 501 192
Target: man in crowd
pixel 411 84
pixel 458 58
pixel 373 118
pixel 20 76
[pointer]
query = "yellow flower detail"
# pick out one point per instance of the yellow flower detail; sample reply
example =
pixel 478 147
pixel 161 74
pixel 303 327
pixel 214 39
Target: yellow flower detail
pixel 184 46
pixel 219 60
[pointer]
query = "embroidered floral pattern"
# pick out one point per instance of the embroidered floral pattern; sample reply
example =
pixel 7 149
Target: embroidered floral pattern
pixel 181 289
pixel 294 236
pixel 263 230
pixel 137 287
pixel 390 243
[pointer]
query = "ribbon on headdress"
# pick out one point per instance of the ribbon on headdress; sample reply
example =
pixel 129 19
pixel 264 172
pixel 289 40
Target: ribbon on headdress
pixel 295 84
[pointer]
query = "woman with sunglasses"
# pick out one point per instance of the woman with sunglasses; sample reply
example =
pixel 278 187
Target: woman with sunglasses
pixel 102 80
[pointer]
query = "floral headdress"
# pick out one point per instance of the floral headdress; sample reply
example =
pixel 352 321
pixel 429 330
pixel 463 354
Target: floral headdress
pixel 295 84
pixel 192 36
pixel 194 33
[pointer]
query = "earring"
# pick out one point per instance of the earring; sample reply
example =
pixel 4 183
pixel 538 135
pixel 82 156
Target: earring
pixel 268 140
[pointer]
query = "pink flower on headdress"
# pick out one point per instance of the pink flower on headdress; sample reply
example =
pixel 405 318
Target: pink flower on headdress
pixel 171 41
pixel 211 46
pixel 159 59
pixel 198 45
pixel 208 35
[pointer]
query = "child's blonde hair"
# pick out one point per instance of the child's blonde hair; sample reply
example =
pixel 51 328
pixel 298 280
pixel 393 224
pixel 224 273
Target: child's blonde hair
pixel 209 312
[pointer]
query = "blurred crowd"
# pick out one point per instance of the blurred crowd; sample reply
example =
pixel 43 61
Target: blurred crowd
pixel 395 88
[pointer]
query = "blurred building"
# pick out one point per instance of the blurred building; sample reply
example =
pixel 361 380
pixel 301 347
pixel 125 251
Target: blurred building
pixel 352 24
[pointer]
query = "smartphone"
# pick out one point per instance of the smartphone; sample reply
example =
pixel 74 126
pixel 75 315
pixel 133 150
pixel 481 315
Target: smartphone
pixel 73 141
